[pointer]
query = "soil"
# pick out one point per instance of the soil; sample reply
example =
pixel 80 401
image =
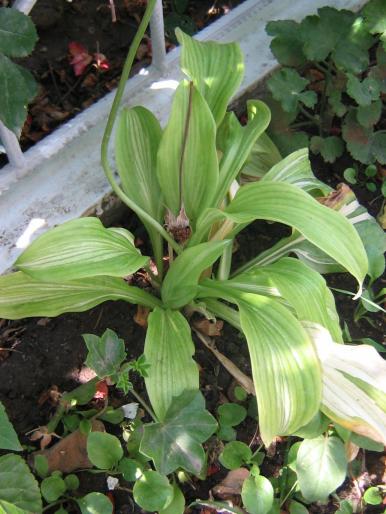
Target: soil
pixel 90 23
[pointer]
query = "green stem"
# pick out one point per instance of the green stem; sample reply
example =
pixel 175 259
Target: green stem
pixel 289 493
pixel 144 404
pixel 110 124
pixel 225 264
pixel 309 116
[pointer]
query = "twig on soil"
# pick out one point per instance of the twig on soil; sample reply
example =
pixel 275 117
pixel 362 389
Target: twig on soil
pixel 240 377
pixel 113 12
pixel 144 404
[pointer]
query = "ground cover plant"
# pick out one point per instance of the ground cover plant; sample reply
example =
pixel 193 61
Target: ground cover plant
pixel 192 187
pixel 332 85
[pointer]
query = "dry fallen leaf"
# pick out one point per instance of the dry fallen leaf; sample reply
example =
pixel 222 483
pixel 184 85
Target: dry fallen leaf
pixel 70 453
pixel 140 317
pixel 231 485
pixel 209 328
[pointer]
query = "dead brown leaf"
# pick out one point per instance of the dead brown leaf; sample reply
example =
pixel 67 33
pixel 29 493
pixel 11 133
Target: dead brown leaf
pixel 140 317
pixel 70 453
pixel 209 328
pixel 231 485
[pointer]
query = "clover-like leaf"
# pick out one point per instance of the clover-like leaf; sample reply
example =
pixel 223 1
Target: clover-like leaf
pixel 287 86
pixel 287 44
pixel 363 144
pixel 176 443
pixel 8 436
pixel 330 147
pixel 363 92
pixel 18 485
pixel 369 115
pixel 17 33
pixel 105 353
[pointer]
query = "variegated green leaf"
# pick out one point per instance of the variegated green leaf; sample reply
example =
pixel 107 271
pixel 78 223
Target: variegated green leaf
pixel 181 282
pixel 354 384
pixel 239 143
pixel 296 169
pixel 304 289
pixel 168 351
pixel 187 159
pixel 285 203
pixel 22 296
pixel 285 367
pixel 81 248
pixel 216 69
pixel 136 144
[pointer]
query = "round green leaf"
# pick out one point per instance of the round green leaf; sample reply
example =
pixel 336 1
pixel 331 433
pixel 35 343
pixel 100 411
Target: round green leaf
pixel 41 465
pixel 235 454
pixel 130 469
pixel 152 491
pixel 104 450
pixel 95 503
pixel 231 414
pixel 257 495
pixel 52 488
pixel 240 394
pixel 17 33
pixel 350 175
pixel 177 505
pixel 321 467
pixel 373 496
pixel 72 482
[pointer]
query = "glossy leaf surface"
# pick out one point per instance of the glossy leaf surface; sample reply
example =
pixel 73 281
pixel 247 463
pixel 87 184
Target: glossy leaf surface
pixel 78 249
pixel 187 165
pixel 22 296
pixel 176 443
pixel 207 63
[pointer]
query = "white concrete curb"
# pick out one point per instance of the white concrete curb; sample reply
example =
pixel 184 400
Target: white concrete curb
pixel 64 178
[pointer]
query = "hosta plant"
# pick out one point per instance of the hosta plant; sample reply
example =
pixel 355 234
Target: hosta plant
pixel 192 186
pixel 332 82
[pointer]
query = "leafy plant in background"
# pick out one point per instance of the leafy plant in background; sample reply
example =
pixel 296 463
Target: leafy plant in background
pixel 178 17
pixel 194 187
pixel 17 85
pixel 332 83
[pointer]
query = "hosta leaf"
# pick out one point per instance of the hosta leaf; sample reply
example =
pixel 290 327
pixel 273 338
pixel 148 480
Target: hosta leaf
pixel 363 92
pixel 263 156
pixel 287 86
pixel 321 467
pixel 262 200
pixel 176 443
pixel 287 44
pixel 8 436
pixel 304 289
pixel 208 64
pixel 105 353
pixel 168 351
pixel 187 159
pixel 330 147
pixel 181 281
pixel 22 296
pixel 17 87
pixel 18 485
pixel 17 33
pixel 239 144
pixel 78 249
pixel 285 368
pixel 296 169
pixel 136 144
pixel 354 384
